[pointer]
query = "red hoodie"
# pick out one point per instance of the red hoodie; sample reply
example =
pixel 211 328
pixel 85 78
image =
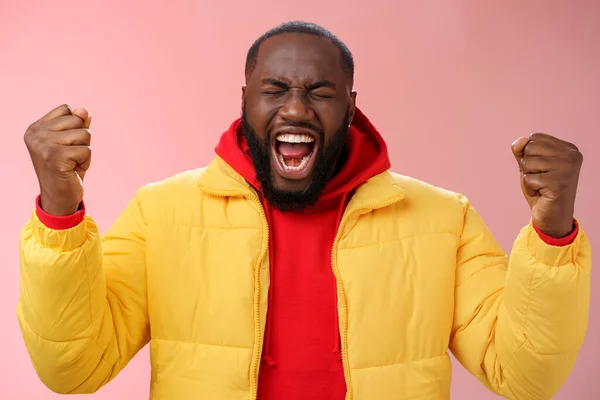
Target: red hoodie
pixel 302 344
pixel 301 353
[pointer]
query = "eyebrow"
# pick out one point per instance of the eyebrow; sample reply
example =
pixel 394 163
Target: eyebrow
pixel 285 85
pixel 320 84
pixel 275 82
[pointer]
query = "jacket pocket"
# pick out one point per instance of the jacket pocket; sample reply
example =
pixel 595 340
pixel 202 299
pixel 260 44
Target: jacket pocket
pixel 191 371
pixel 426 379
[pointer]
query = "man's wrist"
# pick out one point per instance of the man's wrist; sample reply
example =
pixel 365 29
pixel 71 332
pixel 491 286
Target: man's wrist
pixel 57 210
pixel 564 240
pixel 560 232
pixel 59 222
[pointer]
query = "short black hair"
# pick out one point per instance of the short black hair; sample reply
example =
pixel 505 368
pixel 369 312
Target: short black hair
pixel 308 28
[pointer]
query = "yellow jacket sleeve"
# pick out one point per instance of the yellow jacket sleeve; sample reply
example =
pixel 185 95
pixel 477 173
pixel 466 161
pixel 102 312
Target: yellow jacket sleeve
pixel 82 307
pixel 519 324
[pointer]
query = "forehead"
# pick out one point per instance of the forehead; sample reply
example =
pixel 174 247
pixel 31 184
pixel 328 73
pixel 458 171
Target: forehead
pixel 299 56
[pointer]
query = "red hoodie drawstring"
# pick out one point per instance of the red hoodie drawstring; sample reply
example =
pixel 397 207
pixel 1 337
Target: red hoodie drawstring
pixel 267 358
pixel 337 349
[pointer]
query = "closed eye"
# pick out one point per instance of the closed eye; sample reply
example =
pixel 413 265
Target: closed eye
pixel 322 89
pixel 322 95
pixel 273 92
pixel 274 87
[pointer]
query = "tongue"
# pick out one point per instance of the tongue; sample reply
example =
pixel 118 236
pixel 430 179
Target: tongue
pixel 294 150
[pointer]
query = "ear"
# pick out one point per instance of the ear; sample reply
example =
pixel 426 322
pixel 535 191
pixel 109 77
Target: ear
pixel 352 107
pixel 243 96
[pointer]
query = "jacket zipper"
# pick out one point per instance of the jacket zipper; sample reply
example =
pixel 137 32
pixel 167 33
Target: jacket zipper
pixel 258 332
pixel 340 288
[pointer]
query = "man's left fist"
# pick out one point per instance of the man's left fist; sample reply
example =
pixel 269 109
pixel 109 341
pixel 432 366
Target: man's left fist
pixel 549 176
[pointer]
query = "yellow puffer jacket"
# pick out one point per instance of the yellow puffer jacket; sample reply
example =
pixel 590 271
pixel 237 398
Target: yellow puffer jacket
pixel 186 268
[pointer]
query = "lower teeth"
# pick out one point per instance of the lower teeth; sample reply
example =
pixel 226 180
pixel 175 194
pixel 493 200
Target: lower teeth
pixel 298 167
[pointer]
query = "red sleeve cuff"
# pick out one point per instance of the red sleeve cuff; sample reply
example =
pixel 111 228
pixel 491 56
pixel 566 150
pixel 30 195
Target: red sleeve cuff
pixel 563 241
pixel 59 222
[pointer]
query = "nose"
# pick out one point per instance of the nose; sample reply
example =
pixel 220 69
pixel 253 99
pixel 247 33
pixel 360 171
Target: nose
pixel 295 107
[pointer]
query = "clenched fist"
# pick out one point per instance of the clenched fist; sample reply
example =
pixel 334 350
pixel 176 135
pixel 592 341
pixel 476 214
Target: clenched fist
pixel 59 146
pixel 549 176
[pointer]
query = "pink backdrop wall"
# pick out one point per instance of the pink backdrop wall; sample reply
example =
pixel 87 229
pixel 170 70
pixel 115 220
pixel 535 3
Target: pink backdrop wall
pixel 450 84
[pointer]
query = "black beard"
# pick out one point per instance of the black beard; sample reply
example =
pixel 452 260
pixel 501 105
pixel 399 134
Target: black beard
pixel 329 160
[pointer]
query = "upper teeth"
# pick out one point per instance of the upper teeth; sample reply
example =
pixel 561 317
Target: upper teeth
pixel 295 138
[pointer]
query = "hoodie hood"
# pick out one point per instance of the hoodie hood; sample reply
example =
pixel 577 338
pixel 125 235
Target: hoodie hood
pixel 367 156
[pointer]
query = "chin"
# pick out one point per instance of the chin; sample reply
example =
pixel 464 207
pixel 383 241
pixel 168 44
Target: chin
pixel 290 186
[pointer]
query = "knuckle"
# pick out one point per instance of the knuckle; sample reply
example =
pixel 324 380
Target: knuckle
pixel 538 136
pixel 65 107
pixel 571 146
pixel 32 127
pixel 34 138
pixel 30 132
pixel 27 137
pixel 575 157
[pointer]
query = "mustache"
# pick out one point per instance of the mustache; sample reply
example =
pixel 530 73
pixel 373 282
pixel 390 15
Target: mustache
pixel 303 125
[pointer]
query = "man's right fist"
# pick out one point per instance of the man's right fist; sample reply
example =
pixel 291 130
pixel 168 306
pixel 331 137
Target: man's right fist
pixel 59 146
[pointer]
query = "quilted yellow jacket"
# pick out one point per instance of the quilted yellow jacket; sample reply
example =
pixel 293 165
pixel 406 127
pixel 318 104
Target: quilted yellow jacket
pixel 185 268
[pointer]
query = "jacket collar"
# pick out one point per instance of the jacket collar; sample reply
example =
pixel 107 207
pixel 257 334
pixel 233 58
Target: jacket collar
pixel 220 179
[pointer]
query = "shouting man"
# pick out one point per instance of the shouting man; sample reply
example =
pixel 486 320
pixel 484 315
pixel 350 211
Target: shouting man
pixel 296 265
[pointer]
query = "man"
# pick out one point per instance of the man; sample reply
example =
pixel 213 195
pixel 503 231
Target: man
pixel 296 266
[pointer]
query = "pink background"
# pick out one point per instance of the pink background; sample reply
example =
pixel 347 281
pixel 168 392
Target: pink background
pixel 449 83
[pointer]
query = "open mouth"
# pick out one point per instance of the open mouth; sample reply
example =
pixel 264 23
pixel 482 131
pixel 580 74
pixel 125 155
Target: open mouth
pixel 294 154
